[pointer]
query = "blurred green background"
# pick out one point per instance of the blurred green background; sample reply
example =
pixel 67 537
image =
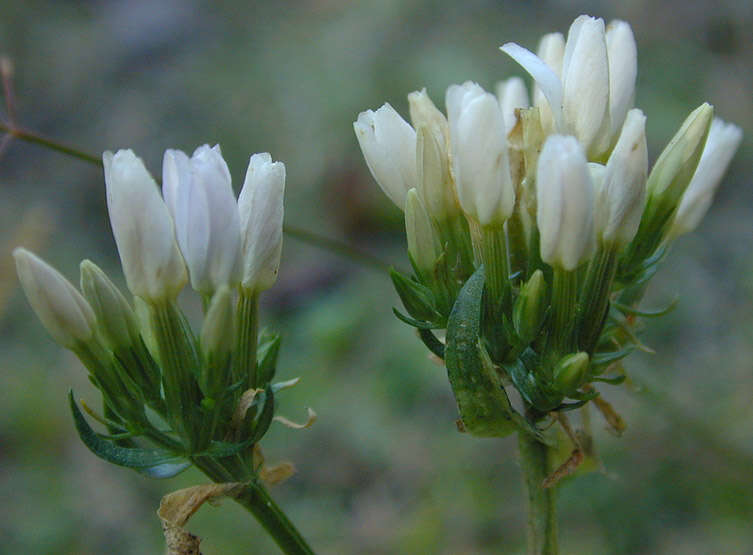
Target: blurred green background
pixel 383 470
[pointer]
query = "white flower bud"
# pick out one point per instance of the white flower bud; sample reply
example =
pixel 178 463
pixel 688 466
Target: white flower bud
pixel 143 229
pixel 585 80
pixel 621 196
pixel 62 310
pixel 199 194
pixel 723 141
pixel 677 163
pixel 388 144
pixel 422 245
pixel 478 145
pixel 564 212
pixel 512 94
pixel 623 69
pixel 423 113
pixel 434 183
pixel 260 206
pixel 116 319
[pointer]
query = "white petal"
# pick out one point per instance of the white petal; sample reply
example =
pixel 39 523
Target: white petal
pixel 544 76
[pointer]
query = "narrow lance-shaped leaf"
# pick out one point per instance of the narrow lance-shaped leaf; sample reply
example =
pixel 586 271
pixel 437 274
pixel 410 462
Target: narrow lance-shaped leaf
pixel 482 402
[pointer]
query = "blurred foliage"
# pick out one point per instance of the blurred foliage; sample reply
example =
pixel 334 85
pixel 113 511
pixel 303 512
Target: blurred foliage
pixel 383 470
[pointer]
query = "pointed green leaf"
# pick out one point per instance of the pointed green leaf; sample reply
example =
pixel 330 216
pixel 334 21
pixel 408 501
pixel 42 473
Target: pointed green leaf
pixel 137 458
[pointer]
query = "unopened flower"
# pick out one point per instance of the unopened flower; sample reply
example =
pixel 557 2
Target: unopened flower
pixel 260 206
pixel 116 319
pixel 564 194
pixel 677 163
pixel 63 311
pixel 143 229
pixel 721 145
pixel 570 371
pixel 480 161
pixel 388 144
pixel 585 80
pixel 199 194
pixel 620 197
pixel 434 183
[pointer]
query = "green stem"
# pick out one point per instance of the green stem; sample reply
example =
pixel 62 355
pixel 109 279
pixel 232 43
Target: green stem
pixel 536 464
pixel 255 499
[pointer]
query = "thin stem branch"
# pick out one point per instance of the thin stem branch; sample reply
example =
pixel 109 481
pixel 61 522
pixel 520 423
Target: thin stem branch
pixel 535 462
pixel 36 138
pixel 333 245
pixel 336 247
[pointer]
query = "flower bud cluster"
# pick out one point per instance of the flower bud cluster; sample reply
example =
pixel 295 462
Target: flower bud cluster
pixel 549 201
pixel 143 355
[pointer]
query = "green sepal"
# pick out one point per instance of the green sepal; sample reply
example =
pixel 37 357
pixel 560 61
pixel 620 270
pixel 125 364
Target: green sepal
pixel 412 321
pixel 267 352
pixel 431 342
pixel 564 407
pixel 603 360
pixel 484 408
pixel 646 313
pixel 611 380
pixel 149 460
pixel 416 297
